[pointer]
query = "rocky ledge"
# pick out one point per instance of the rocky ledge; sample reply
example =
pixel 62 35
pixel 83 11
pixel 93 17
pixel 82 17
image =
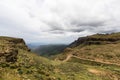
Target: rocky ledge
pixel 97 39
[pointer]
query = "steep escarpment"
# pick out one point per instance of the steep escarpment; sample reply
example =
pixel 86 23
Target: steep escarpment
pixel 97 39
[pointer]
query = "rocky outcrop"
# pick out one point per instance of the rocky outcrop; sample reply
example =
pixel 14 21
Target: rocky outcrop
pixel 96 39
pixel 9 55
pixel 9 48
pixel 13 42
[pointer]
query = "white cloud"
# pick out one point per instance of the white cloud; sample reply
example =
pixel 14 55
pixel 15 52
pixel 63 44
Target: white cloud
pixel 58 20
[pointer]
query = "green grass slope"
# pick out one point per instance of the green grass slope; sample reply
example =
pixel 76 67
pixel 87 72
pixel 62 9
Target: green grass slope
pixel 99 47
pixel 100 50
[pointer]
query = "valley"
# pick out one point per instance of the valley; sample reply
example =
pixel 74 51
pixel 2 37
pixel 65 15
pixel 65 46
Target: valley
pixel 93 57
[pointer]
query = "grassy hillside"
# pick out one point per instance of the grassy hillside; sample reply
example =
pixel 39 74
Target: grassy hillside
pixel 101 50
pixel 99 47
pixel 29 66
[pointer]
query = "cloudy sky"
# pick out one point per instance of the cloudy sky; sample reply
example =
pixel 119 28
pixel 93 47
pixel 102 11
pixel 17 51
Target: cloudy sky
pixel 58 21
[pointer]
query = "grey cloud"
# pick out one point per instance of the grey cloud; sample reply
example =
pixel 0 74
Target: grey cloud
pixel 57 32
pixel 31 15
pixel 91 23
pixel 54 26
pixel 108 30
pixel 76 26
pixel 77 30
pixel 45 20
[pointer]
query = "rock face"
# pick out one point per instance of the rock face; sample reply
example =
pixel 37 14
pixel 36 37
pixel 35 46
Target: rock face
pixel 10 55
pixel 96 39
pixel 9 48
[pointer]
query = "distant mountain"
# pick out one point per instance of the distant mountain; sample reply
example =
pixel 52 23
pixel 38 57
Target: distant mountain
pixel 33 46
pixel 48 50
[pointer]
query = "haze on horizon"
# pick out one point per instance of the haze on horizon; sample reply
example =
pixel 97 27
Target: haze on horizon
pixel 58 21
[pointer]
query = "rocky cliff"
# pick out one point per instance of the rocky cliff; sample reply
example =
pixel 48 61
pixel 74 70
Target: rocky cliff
pixel 97 39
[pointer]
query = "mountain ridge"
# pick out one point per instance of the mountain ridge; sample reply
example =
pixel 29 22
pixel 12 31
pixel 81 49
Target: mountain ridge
pixel 96 39
pixel 98 47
